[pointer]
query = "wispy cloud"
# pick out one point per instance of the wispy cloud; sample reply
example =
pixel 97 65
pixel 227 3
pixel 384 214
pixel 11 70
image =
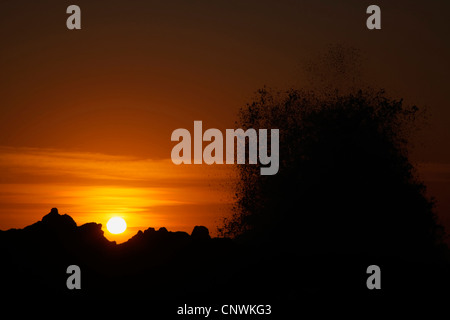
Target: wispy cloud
pixel 96 166
pixel 93 187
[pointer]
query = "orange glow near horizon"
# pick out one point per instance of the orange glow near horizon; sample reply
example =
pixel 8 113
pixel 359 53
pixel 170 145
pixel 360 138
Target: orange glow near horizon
pixel 86 116
pixel 95 187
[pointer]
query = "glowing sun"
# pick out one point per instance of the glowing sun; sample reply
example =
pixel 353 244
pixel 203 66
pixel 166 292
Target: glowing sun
pixel 116 225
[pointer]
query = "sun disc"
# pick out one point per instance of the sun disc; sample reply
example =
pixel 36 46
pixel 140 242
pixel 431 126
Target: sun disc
pixel 116 225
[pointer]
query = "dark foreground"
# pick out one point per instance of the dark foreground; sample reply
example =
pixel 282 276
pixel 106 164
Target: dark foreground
pixel 162 267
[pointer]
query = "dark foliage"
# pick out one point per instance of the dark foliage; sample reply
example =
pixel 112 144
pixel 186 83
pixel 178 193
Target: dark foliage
pixel 345 183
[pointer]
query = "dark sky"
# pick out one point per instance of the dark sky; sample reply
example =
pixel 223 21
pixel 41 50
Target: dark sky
pixel 140 69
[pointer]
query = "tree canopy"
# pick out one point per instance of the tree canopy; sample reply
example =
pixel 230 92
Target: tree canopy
pixel 345 181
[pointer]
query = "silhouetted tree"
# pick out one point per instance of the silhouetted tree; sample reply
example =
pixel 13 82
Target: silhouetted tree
pixel 345 182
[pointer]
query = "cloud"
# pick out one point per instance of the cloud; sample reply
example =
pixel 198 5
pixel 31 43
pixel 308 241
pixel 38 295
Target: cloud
pixel 96 166
pixel 94 186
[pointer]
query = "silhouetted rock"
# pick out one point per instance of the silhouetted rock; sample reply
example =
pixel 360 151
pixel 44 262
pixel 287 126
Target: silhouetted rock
pixel 149 230
pixel 138 235
pixel 175 265
pixel 92 233
pixel 200 233
pixel 55 220
pixel 46 248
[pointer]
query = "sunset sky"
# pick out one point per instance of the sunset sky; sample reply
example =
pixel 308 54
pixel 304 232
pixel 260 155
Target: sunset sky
pixel 86 115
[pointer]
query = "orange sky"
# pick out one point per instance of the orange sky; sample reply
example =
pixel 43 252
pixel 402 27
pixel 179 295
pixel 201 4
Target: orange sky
pixel 86 116
pixel 96 187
